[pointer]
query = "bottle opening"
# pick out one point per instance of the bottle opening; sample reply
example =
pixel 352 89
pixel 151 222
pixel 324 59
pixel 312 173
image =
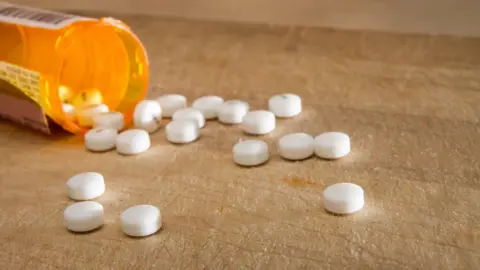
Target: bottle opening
pixel 101 64
pixel 94 68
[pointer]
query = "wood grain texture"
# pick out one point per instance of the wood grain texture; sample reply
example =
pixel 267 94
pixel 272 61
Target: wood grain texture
pixel 410 103
pixel 459 18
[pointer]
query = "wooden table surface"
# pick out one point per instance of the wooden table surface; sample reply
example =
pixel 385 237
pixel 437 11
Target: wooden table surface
pixel 411 105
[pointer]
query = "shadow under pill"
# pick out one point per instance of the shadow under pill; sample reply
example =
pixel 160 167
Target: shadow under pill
pixel 340 215
pixel 144 237
pixel 246 167
pixel 88 232
pixel 103 152
pixel 328 159
pixel 185 144
pixel 294 160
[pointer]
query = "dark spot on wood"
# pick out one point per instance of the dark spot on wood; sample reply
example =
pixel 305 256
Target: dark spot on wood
pixel 300 182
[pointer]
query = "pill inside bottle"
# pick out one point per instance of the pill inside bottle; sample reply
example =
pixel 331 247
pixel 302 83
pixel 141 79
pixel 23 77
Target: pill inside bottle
pixel 64 55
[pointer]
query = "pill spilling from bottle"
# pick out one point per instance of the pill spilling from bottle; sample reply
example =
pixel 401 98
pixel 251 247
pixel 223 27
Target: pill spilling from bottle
pixel 84 216
pixel 141 220
pixel 343 198
pixel 86 186
pixel 296 146
pixel 185 125
pixel 250 152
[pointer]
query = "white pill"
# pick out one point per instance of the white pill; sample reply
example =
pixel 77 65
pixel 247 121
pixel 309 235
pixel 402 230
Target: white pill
pixel 250 152
pixel 85 114
pixel 171 103
pixel 69 110
pixel 208 105
pixel 109 120
pixel 84 216
pixel 86 186
pixel 182 131
pixel 141 220
pixel 332 145
pixel 147 115
pixel 296 146
pixel 232 111
pixel 190 113
pixel 286 105
pixel 132 142
pixel 100 139
pixel 343 198
pixel 258 122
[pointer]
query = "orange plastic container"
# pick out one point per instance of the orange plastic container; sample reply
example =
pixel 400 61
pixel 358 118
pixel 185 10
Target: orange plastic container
pixel 50 49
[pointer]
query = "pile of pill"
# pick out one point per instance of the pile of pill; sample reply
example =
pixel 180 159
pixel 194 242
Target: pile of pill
pixel 81 107
pixel 185 126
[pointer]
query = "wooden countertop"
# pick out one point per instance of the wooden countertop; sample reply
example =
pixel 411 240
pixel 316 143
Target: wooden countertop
pixel 410 103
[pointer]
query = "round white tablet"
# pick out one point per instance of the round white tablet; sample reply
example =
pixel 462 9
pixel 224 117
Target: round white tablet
pixel 182 131
pixel 86 186
pixel 332 145
pixel 109 120
pixel 133 141
pixel 100 139
pixel 232 111
pixel 190 113
pixel 258 122
pixel 208 105
pixel 147 115
pixel 141 220
pixel 286 105
pixel 250 152
pixel 85 114
pixel 296 146
pixel 69 110
pixel 84 216
pixel 171 103
pixel 343 198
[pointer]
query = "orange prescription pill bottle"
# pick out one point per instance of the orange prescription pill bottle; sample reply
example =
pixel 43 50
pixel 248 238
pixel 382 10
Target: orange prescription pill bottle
pixel 43 51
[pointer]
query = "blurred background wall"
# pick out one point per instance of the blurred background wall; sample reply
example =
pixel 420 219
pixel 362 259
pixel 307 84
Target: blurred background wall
pixel 452 17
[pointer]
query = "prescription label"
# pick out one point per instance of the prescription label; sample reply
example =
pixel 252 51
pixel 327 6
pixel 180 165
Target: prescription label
pixel 26 80
pixel 34 17
pixel 20 95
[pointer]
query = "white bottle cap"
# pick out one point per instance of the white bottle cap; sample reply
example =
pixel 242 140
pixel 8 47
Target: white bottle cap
pixel 232 111
pixel 147 115
pixel 141 220
pixel 84 216
pixel 85 114
pixel 171 103
pixel 296 146
pixel 133 141
pixel 343 198
pixel 100 139
pixel 250 152
pixel 286 105
pixel 332 145
pixel 86 186
pixel 190 113
pixel 208 105
pixel 109 120
pixel 258 122
pixel 182 131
